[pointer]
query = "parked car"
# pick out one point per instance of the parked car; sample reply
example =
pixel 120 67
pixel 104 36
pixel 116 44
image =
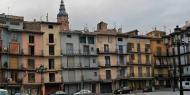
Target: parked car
pixel 123 90
pixel 4 92
pixel 60 93
pixel 185 84
pixel 147 89
pixel 21 94
pixel 84 91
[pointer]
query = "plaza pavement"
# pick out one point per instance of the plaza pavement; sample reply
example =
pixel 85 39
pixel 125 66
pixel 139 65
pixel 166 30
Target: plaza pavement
pixel 161 93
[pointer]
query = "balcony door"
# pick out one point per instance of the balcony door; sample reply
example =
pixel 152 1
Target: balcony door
pixel 69 48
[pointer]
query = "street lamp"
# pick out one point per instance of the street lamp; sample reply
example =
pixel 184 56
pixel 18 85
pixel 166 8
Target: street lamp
pixel 178 42
pixel 41 70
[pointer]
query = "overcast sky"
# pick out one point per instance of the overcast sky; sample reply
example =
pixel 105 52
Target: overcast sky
pixel 143 15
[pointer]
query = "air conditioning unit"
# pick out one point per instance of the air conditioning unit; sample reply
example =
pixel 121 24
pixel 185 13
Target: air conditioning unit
pixel 9 80
pixel 5 49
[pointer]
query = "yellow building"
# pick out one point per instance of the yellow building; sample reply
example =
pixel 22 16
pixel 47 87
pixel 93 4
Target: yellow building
pixel 139 61
pixel 107 58
pixel 52 56
pixel 159 59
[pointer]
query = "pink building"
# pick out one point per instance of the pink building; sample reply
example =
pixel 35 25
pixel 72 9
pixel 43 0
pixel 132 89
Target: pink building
pixel 32 57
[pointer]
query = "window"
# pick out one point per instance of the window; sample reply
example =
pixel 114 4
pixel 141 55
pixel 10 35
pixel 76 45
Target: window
pixel 2 22
pixel 70 61
pixel 147 59
pixel 31 64
pixel 51 38
pixel 51 50
pixel 122 73
pixel 14 23
pixel 131 71
pixel 140 71
pixel 90 40
pixel 68 36
pixel 159 50
pixel 147 47
pixel 14 37
pixel 51 63
pixel 51 77
pixel 108 74
pixel 31 39
pixel 158 41
pixel 69 48
pixel 121 59
pixel 139 58
pixel 94 61
pixel 132 56
pixel 120 39
pixel 95 74
pixel 50 26
pixel 106 48
pixel 31 50
pixel 86 49
pixel 82 39
pixel 107 61
pixel 31 77
pixel 14 76
pixel 138 47
pixel 130 47
pixel 148 71
pixel 120 49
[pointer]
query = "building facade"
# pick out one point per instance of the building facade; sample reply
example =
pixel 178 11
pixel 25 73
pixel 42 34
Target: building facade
pixel 161 65
pixel 79 62
pixel 11 43
pixel 139 62
pixel 107 58
pixel 32 57
pixel 52 56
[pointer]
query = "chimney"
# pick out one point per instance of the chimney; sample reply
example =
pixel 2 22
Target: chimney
pixel 102 26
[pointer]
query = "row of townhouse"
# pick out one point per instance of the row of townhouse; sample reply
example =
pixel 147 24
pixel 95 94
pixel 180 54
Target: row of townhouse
pixel 40 58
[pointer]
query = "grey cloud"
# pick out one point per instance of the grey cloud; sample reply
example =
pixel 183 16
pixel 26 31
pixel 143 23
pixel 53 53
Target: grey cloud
pixel 131 14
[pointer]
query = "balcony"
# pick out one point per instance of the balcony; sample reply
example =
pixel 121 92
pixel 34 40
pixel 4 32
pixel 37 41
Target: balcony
pixel 107 65
pixel 11 81
pixel 80 67
pixel 77 53
pixel 162 76
pixel 140 76
pixel 121 52
pixel 137 64
pixel 157 65
pixel 102 51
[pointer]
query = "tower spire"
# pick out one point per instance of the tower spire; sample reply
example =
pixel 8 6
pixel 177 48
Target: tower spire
pixel 62 11
pixel 62 17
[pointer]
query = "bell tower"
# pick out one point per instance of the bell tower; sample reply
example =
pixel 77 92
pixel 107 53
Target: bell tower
pixel 62 17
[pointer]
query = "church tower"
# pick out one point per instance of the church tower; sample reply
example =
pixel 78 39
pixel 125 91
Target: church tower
pixel 62 17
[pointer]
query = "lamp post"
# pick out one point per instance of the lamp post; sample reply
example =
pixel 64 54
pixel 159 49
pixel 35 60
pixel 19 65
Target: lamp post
pixel 41 70
pixel 178 42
